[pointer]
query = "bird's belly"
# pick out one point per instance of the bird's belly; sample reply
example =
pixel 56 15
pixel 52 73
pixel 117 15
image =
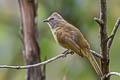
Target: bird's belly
pixel 61 43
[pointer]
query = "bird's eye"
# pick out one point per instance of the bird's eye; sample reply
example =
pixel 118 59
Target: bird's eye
pixel 51 19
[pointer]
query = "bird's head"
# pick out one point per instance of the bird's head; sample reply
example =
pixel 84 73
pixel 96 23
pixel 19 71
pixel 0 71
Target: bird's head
pixel 54 19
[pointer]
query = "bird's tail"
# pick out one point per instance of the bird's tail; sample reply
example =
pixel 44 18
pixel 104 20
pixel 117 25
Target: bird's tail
pixel 93 61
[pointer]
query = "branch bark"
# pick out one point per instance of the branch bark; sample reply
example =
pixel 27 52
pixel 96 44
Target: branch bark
pixel 112 73
pixel 31 50
pixel 102 21
pixel 96 54
pixel 113 33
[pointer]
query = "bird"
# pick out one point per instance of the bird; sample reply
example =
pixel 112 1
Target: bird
pixel 70 37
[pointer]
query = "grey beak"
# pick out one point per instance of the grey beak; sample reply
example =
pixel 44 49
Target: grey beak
pixel 46 20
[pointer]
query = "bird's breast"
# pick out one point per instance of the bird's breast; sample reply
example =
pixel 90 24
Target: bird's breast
pixel 56 34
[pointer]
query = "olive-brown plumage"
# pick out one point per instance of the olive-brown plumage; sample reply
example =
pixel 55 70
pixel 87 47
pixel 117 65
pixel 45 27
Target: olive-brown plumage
pixel 70 37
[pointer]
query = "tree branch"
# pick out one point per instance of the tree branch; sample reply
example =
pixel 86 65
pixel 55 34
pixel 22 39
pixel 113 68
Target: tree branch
pixel 113 33
pixel 96 54
pixel 48 61
pixel 110 74
pixel 31 53
pixel 44 70
pixel 102 21
pixel 113 73
pixel 39 64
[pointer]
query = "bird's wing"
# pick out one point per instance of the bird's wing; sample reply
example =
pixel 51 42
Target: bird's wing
pixel 69 43
pixel 77 36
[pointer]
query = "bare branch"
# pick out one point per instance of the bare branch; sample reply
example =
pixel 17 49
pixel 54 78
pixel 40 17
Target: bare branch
pixel 110 74
pixel 32 54
pixel 39 64
pixel 113 73
pixel 44 70
pixel 99 21
pixel 109 37
pixel 113 33
pixel 102 21
pixel 96 54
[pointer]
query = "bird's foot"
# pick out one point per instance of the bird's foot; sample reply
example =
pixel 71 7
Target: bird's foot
pixel 68 52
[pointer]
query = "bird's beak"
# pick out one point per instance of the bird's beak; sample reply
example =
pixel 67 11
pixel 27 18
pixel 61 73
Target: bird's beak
pixel 46 20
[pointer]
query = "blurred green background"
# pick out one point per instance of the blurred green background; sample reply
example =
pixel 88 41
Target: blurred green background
pixel 77 12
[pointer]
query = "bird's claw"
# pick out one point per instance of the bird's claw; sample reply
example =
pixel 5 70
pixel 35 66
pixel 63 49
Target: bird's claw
pixel 68 52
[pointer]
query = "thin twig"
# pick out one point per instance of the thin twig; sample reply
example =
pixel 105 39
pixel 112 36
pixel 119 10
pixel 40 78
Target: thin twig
pixel 44 70
pixel 96 54
pixel 110 74
pixel 38 64
pixel 99 21
pixel 47 61
pixel 109 37
pixel 113 32
pixel 113 73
